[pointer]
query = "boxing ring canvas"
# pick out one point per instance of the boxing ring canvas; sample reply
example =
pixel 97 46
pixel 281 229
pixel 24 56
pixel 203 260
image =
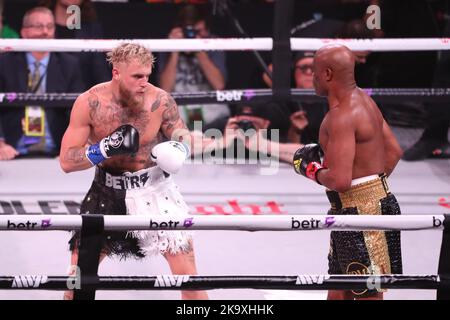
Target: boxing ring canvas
pixel 39 186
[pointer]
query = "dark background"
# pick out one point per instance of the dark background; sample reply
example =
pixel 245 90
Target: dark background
pixel 400 18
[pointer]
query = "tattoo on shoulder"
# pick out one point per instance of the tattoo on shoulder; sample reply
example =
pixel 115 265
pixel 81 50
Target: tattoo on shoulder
pixel 170 114
pixel 157 103
pixel 94 105
pixel 170 103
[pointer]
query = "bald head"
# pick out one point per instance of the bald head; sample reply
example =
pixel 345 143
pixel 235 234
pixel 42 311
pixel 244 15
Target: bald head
pixel 334 65
pixel 337 57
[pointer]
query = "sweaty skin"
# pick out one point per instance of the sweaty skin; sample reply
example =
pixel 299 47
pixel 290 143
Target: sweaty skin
pixel 127 99
pixel 98 112
pixel 356 140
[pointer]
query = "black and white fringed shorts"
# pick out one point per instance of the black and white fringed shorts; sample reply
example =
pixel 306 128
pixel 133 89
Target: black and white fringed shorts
pixel 145 192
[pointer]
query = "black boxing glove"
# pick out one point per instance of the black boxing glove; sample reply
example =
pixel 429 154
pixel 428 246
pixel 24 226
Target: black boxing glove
pixel 307 161
pixel 123 140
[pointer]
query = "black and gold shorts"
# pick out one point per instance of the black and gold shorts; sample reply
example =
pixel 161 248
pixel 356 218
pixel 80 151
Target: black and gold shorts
pixel 365 252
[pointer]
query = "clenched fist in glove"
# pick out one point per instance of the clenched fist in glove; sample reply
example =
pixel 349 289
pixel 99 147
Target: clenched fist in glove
pixel 307 161
pixel 123 140
pixel 170 155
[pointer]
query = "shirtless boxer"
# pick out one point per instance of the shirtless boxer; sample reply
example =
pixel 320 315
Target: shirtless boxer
pixel 118 126
pixel 359 152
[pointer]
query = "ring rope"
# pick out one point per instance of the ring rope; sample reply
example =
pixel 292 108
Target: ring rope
pixel 248 223
pixel 188 282
pixel 252 96
pixel 224 44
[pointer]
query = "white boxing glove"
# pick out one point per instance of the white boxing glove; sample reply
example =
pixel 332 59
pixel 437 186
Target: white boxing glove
pixel 170 155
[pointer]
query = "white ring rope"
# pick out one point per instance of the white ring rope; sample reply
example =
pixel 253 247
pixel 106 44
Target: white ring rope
pixel 397 44
pixel 228 44
pixel 243 223
pixel 156 45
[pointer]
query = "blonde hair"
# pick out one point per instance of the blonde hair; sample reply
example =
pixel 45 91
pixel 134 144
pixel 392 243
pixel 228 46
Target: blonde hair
pixel 129 51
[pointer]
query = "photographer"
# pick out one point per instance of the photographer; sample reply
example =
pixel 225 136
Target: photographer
pixel 301 120
pixel 266 122
pixel 194 71
pixel 298 123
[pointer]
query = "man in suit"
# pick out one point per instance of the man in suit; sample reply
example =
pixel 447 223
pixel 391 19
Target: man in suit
pixel 94 67
pixel 34 130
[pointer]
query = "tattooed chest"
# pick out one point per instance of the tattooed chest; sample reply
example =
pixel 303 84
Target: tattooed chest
pixel 107 117
pixel 134 162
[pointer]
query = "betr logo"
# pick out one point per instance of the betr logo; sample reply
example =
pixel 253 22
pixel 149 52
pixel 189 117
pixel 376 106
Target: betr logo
pixel 188 222
pixel 73 17
pixel 21 225
pixel 374 17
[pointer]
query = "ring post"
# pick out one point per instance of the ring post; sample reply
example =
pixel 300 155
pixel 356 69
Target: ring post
pixel 443 293
pixel 92 228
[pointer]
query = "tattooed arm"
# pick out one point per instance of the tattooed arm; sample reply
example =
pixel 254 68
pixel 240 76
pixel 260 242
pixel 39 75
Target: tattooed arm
pixel 173 127
pixel 73 146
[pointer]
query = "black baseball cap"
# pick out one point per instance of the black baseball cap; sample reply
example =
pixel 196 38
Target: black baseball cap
pixel 303 54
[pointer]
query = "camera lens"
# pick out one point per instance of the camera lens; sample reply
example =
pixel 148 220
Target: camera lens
pixel 246 125
pixel 189 32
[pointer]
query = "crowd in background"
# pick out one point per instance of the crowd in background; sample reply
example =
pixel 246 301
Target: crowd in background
pixel 37 131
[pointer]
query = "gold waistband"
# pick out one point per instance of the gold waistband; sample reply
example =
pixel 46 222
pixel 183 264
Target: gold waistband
pixel 360 194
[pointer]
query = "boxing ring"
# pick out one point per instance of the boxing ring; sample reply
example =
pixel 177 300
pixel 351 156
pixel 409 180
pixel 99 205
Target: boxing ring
pixel 267 265
pixel 242 223
pixel 93 225
pixel 263 255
